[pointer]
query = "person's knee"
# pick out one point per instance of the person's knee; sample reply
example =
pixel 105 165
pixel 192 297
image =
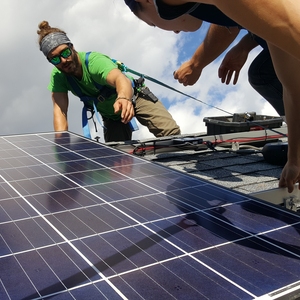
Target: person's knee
pixel 172 131
pixel 156 118
pixel 255 74
pixel 261 70
pixel 168 130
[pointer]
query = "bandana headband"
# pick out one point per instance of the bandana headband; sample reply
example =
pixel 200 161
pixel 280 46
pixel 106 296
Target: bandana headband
pixel 53 40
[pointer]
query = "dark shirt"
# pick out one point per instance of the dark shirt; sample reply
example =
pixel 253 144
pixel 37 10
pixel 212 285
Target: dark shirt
pixel 205 12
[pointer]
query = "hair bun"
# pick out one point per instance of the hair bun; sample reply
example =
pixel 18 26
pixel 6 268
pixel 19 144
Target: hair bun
pixel 44 25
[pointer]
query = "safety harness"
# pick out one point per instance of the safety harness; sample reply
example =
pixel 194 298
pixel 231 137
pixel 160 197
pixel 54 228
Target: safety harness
pixel 140 90
pixel 90 102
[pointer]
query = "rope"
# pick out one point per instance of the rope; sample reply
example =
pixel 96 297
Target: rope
pixel 124 68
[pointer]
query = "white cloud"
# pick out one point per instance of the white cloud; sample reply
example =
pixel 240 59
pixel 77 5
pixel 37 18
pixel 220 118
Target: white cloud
pixel 108 27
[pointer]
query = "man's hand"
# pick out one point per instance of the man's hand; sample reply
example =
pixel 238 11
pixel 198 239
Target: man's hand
pixel 232 63
pixel 126 108
pixel 187 74
pixel 289 177
pixel 235 59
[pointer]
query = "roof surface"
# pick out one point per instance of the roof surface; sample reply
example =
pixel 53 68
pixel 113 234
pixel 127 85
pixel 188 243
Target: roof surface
pixel 247 172
pixel 229 154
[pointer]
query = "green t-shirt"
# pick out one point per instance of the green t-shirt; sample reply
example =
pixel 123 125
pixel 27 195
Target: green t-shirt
pixel 99 67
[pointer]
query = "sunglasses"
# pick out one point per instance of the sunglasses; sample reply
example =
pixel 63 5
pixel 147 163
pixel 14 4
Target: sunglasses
pixel 56 60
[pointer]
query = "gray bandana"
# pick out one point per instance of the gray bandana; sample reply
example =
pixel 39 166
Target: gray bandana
pixel 53 40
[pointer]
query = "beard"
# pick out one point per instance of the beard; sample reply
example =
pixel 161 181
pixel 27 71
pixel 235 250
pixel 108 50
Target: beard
pixel 71 66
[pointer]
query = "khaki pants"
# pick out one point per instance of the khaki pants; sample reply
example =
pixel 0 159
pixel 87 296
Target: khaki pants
pixel 152 115
pixel 156 117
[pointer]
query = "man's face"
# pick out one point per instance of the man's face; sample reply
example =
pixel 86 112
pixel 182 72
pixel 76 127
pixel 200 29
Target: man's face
pixel 67 65
pixel 185 23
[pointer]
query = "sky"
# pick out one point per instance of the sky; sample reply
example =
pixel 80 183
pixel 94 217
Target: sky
pixel 109 27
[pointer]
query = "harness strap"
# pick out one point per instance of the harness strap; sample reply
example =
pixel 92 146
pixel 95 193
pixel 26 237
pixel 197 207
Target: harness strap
pixel 85 99
pixel 93 110
pixel 99 87
pixel 85 125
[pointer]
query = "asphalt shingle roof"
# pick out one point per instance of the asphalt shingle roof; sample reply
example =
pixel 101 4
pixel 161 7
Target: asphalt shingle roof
pixel 246 173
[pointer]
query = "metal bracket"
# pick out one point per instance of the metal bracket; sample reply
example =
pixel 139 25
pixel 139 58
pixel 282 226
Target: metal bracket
pixel 292 203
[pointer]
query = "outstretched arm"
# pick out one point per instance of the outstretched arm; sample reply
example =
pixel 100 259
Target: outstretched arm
pixel 217 39
pixel 285 65
pixel 276 21
pixel 124 89
pixel 235 59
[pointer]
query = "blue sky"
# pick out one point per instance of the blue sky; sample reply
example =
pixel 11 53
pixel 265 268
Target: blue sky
pixel 108 27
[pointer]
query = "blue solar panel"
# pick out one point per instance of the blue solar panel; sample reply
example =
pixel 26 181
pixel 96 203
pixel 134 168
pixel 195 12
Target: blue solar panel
pixel 80 220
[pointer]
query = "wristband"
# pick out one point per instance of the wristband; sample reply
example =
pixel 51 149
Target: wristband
pixel 123 98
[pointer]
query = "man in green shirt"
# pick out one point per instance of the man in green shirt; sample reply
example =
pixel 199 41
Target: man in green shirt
pixel 97 80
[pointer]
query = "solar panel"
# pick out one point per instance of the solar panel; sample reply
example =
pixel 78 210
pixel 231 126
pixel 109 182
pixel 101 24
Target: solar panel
pixel 81 220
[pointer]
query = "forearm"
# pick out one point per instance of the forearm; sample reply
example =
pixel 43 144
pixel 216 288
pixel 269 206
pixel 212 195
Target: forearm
pixel 124 88
pixel 291 92
pixel 60 123
pixel 292 109
pixel 121 83
pixel 247 43
pixel 287 70
pixel 60 109
pixel 217 40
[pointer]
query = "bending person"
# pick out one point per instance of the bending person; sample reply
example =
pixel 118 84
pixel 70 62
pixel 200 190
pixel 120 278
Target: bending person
pixel 221 33
pixel 96 78
pixel 275 28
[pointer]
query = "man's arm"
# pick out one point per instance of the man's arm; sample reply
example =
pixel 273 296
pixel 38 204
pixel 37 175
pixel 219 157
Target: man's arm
pixel 287 69
pixel 235 59
pixel 217 39
pixel 276 21
pixel 124 90
pixel 60 110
